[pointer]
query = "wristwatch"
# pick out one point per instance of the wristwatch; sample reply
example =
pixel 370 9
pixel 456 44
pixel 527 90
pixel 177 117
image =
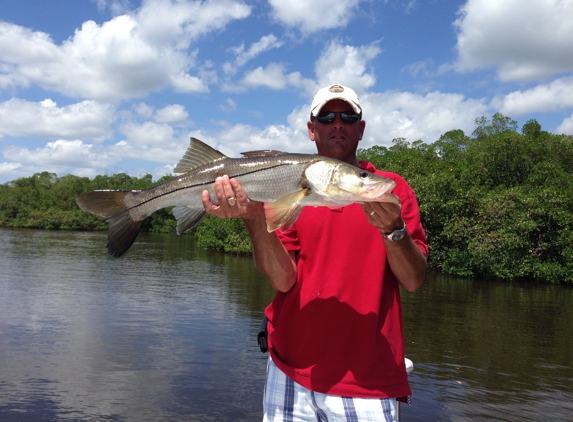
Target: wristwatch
pixel 396 235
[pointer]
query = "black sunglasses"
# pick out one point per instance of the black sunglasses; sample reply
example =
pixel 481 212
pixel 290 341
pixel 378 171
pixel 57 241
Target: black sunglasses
pixel 346 117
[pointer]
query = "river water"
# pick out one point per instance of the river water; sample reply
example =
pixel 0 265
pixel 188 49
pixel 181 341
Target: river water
pixel 168 333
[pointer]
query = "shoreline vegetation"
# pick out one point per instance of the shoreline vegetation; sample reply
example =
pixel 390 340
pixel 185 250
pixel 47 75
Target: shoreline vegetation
pixel 496 204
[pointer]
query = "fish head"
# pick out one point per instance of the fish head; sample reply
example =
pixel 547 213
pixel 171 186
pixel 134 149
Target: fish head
pixel 344 184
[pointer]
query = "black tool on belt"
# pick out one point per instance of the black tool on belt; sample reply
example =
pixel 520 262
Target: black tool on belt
pixel 263 334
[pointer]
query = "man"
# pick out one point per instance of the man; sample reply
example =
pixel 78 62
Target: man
pixel 335 326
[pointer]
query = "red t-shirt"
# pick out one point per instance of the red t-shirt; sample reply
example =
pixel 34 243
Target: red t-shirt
pixel 338 330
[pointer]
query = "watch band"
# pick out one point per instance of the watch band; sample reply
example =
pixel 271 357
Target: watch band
pixel 396 235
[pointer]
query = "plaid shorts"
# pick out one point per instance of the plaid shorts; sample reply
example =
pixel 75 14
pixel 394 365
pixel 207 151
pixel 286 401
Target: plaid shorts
pixel 285 400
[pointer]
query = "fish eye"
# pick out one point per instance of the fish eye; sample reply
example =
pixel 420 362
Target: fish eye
pixel 363 174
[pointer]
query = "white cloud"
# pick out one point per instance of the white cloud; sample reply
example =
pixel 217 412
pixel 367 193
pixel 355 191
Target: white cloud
pixel 557 95
pixel 89 160
pixel 412 116
pixel 347 65
pixel 58 155
pixel 178 23
pixel 566 127
pixel 144 110
pixel 87 119
pixel 165 152
pixel 313 16
pixel 148 134
pixel 410 6
pixel 524 40
pixel 337 63
pixel 423 67
pixel 234 139
pixel 229 105
pixel 126 57
pixel 75 157
pixel 266 43
pixel 273 76
pixel 174 114
pixel 117 7
pixel 8 168
pixel 298 119
pixel 187 84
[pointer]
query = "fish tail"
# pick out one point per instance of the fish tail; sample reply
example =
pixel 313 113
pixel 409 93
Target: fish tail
pixel 122 228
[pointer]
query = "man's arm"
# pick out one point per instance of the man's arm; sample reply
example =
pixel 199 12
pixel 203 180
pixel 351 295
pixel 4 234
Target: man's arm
pixel 270 255
pixel 406 260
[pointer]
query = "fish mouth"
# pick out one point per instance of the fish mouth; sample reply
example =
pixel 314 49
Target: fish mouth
pixel 377 190
pixel 368 192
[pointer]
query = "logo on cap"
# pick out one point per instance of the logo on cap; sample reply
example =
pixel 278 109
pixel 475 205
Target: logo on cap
pixel 336 88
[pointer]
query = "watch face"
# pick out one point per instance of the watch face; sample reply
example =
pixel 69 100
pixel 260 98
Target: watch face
pixel 397 235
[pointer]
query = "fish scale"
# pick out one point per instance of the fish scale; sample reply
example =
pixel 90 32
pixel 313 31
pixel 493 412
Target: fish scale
pixel 264 181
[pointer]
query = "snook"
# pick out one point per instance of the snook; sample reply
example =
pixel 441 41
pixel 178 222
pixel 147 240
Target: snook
pixel 284 182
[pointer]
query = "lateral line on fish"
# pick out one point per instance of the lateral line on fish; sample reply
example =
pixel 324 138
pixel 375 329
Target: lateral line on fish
pixel 171 192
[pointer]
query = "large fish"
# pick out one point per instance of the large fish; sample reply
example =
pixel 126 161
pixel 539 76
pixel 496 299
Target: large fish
pixel 284 182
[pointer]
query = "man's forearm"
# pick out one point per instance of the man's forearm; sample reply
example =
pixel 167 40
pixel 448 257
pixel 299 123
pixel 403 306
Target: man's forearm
pixel 270 255
pixel 407 262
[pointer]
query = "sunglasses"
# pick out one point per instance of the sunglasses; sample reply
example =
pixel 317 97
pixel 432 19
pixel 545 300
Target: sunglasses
pixel 346 117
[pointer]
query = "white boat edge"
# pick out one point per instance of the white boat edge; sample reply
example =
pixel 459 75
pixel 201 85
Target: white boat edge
pixel 409 365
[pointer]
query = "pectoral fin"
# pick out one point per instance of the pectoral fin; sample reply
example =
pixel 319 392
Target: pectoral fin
pixel 282 213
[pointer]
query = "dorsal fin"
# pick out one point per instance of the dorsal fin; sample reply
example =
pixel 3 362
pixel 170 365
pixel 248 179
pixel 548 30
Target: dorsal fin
pixel 197 154
pixel 263 153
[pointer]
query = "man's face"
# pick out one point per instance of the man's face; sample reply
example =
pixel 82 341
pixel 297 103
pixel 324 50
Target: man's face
pixel 337 139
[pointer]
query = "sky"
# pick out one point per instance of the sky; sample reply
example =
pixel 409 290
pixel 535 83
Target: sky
pixel 90 87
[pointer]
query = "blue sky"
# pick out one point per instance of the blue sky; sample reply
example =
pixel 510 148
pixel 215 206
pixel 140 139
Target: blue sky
pixel 92 87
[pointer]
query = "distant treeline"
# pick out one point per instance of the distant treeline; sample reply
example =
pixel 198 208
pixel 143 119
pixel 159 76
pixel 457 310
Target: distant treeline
pixel 497 204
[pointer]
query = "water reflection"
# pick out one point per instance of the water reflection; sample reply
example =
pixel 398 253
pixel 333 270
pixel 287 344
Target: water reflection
pixel 489 350
pixel 167 332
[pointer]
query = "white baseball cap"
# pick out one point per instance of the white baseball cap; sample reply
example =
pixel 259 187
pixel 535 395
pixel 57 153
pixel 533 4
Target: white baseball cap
pixel 334 92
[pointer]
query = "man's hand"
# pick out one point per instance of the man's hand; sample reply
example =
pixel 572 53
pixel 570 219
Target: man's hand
pixel 406 260
pixel 233 201
pixel 270 255
pixel 387 216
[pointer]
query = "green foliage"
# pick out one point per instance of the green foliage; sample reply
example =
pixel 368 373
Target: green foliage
pixel 496 204
pixel 46 201
pixel 498 124
pixel 216 234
